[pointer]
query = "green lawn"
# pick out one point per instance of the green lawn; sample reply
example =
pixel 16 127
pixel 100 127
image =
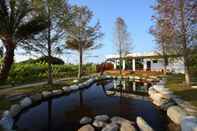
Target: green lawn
pixel 177 85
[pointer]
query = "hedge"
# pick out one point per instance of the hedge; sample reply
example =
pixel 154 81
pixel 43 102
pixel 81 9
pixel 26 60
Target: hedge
pixel 27 73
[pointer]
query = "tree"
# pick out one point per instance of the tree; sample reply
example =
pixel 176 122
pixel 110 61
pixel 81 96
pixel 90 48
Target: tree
pixel 81 36
pixel 184 20
pixel 163 30
pixel 47 43
pixel 1 51
pixel 122 39
pixel 19 21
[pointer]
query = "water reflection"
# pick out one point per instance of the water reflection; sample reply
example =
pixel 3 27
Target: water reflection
pixel 65 112
pixel 136 87
pixel 49 114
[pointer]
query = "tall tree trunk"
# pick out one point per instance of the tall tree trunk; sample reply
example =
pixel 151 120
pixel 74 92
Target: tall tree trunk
pixel 8 59
pixel 184 44
pixel 165 57
pixel 187 73
pixel 50 79
pixel 80 61
pixel 120 60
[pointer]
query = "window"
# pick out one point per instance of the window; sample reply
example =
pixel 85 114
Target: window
pixel 155 61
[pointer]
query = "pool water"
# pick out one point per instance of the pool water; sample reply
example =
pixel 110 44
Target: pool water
pixel 111 97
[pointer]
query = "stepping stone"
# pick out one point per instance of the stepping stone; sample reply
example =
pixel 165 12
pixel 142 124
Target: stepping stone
pixel 85 120
pixel 103 118
pixel 87 128
pixel 111 127
pixel 98 123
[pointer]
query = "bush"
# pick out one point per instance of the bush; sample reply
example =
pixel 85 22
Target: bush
pixel 26 73
pixel 54 60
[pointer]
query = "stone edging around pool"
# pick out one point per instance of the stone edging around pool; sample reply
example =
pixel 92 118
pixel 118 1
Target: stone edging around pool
pixel 179 111
pixel 7 119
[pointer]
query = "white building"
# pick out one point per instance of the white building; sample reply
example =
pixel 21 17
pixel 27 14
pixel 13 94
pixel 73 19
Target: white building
pixel 147 62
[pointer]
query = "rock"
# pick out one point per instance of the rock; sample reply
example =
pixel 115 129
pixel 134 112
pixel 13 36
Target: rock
pixel 75 81
pixel 36 97
pixel 46 94
pixel 85 120
pixel 66 89
pixel 81 86
pixel 15 109
pixel 120 120
pixel 87 128
pixel 143 125
pixel 98 123
pixel 7 121
pixel 110 93
pixel 74 87
pixel 158 97
pixel 127 127
pixel 25 102
pixel 189 123
pixel 103 118
pixel 57 92
pixel 176 114
pixel 111 127
pixel 165 106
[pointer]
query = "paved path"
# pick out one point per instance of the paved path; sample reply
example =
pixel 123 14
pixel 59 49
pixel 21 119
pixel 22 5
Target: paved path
pixel 5 90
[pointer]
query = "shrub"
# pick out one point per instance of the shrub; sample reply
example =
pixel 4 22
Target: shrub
pixel 44 59
pixel 26 73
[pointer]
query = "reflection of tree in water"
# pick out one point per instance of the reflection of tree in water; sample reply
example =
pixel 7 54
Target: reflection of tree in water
pixel 103 84
pixel 79 111
pixel 49 114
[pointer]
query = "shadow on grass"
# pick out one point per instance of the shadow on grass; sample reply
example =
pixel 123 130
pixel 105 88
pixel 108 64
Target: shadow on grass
pixel 188 95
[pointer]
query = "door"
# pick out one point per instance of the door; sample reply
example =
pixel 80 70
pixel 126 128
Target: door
pixel 148 63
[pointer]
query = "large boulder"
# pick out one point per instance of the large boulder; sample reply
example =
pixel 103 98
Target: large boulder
pixel 15 109
pixel 74 87
pixel 46 94
pixel 104 118
pixel 7 121
pixel 57 92
pixel 25 102
pixel 158 99
pixel 127 127
pixel 66 89
pixel 143 125
pixel 151 91
pixel 36 97
pixel 85 120
pixel 111 127
pixel 176 114
pixel 189 123
pixel 120 120
pixel 99 124
pixel 165 106
pixel 87 128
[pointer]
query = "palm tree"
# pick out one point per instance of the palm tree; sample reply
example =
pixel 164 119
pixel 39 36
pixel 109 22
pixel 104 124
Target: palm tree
pixel 19 22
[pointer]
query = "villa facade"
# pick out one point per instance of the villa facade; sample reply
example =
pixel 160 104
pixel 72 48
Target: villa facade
pixel 146 62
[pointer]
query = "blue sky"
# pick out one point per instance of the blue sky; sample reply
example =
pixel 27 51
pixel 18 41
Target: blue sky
pixel 137 15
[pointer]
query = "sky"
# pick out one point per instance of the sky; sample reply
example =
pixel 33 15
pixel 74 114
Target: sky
pixel 137 15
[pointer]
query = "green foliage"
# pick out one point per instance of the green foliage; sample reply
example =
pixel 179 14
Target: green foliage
pixel 54 60
pixel 27 73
